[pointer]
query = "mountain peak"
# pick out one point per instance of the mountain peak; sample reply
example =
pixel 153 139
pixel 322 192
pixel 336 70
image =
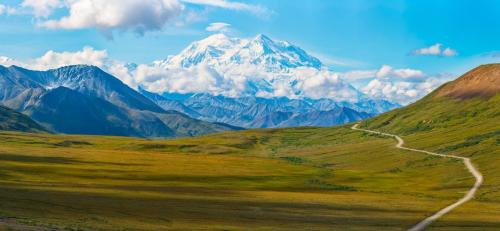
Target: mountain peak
pixel 79 67
pixel 262 37
pixel 18 68
pixel 220 50
pixel 482 81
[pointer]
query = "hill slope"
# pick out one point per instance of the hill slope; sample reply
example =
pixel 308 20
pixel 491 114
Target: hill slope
pixel 483 81
pixel 460 118
pixel 11 120
pixel 470 102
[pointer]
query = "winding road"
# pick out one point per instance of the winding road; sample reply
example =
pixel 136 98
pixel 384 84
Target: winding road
pixel 468 196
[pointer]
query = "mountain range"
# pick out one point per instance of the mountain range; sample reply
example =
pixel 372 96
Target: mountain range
pixel 86 100
pixel 83 99
pixel 256 112
pixel 258 68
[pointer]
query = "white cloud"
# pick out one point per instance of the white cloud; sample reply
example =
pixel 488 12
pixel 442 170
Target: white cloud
pixel 435 50
pixel 409 86
pixel 42 8
pixel 432 50
pixel 255 9
pixel 323 83
pixel 6 61
pixel 52 59
pixel 358 75
pixel 384 71
pixel 401 92
pixel 87 55
pixel 402 85
pixel 123 15
pixel 449 52
pixel 196 79
pixel 107 16
pixel 2 9
pixel 296 83
pixel 219 27
pixel 387 71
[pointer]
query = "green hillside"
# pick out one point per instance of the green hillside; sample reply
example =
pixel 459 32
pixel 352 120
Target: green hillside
pixel 11 120
pixel 460 118
pixel 269 179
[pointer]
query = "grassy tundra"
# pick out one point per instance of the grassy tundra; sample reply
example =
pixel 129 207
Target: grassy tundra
pixel 320 178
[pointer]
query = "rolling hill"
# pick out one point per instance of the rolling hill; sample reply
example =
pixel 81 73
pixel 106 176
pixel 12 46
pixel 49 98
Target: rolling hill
pixel 11 120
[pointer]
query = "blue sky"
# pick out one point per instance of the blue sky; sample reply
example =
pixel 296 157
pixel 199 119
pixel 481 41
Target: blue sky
pixel 345 34
pixel 363 34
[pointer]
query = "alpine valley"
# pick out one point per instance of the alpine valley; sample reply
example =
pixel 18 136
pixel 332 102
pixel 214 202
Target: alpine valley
pixel 163 115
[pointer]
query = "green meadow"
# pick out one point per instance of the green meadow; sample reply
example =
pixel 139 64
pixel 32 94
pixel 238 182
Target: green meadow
pixel 287 179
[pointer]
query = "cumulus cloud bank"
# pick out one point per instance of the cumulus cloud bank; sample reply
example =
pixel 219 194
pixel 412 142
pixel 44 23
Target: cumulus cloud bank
pixel 401 91
pixel 387 71
pixel 435 50
pixel 402 85
pixel 87 55
pixel 123 15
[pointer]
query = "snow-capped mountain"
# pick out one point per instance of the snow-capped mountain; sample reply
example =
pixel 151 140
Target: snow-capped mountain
pixel 255 82
pixel 238 67
pixel 220 51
